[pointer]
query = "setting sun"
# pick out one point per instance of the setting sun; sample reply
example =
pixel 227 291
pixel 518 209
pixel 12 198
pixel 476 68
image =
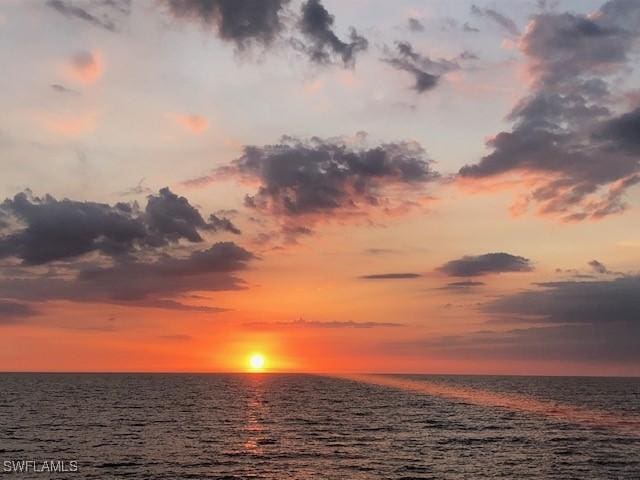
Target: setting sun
pixel 256 361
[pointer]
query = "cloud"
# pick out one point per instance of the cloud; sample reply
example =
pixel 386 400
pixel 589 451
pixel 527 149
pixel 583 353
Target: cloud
pixel 141 282
pixel 106 14
pixel 62 89
pixel 316 25
pixel 242 22
pixel 12 312
pixel 85 66
pixel 415 25
pixel 222 224
pixel 589 322
pixel 464 285
pixel 476 265
pixel 500 19
pixel 301 323
pixel 302 182
pixel 193 123
pixel 575 155
pixel 469 28
pixel 425 71
pixel 598 267
pixel 47 229
pixel 390 276
pixel 590 302
pixel 588 344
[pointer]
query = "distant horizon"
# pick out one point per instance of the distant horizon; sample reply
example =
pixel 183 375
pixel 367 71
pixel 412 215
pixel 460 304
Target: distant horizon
pixel 328 374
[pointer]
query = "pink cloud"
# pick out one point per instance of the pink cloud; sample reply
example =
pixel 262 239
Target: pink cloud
pixel 195 124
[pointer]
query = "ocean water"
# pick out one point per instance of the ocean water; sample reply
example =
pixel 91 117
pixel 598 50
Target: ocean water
pixel 277 426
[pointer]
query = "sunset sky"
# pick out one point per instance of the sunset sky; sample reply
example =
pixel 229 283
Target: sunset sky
pixel 342 186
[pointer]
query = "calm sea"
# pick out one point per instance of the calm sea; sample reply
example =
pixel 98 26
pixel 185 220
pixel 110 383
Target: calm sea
pixel 273 426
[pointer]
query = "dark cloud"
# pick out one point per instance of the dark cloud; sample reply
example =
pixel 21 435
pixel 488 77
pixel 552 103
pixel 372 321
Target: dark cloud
pixel 380 251
pixel 57 230
pixel 390 276
pixel 173 217
pixel 614 344
pixel 50 229
pixel 465 285
pixel 242 22
pixel 301 323
pixel 415 25
pixel 469 28
pixel 106 14
pixel 502 20
pixel 152 283
pixel 223 224
pixel 324 46
pixel 302 182
pixel 590 302
pixel 598 267
pixel 622 132
pixel 580 156
pixel 62 89
pixel 595 321
pixel 425 71
pixel 476 265
pixel 11 312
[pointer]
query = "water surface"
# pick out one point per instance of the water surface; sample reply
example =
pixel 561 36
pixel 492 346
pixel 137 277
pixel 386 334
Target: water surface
pixel 277 426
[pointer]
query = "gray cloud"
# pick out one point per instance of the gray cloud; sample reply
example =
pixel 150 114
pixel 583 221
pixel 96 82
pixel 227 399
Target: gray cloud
pixel 242 22
pixel 316 25
pixel 106 14
pixel 591 302
pixel 462 286
pixel 500 19
pixel 426 72
pixel 48 229
pixel 469 28
pixel 594 321
pixel 304 181
pixel 223 224
pixel 12 312
pixel 149 283
pixel 391 276
pixel 616 344
pixel 415 25
pixel 581 156
pixel 476 265
pixel 62 89
pixel 301 323
pixel 598 267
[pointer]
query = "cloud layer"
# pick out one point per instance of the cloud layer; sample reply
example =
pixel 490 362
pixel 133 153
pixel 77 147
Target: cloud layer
pixel 46 229
pixel 477 265
pixel 302 182
pixel 576 154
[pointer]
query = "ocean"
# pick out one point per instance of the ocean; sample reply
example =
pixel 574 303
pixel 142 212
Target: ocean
pixel 295 426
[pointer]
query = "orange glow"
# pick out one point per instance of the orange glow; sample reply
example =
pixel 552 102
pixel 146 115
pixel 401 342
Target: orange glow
pixel 195 124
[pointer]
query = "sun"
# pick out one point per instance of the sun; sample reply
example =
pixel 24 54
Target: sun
pixel 256 362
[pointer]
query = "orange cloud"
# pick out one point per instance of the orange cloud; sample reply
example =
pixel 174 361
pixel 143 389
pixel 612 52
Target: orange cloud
pixel 85 67
pixel 195 124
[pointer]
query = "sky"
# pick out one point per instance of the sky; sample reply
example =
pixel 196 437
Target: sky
pixel 342 186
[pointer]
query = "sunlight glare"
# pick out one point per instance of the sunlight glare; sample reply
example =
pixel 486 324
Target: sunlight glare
pixel 256 361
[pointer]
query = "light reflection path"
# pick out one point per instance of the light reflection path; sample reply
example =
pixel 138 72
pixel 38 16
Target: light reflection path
pixel 620 423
